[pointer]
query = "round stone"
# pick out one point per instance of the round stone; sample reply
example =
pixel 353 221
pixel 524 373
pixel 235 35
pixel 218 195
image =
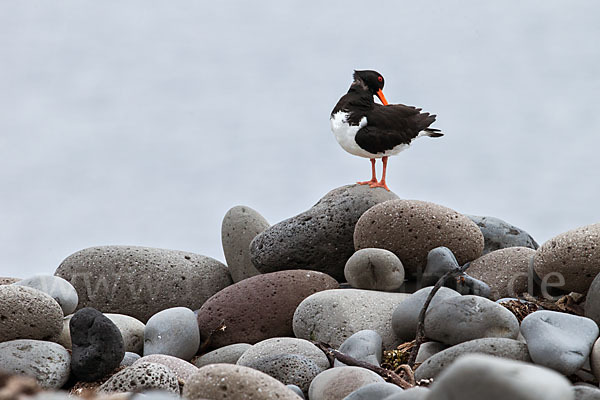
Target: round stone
pixel 284 345
pixel 183 369
pixel 59 289
pixel 414 393
pixel 337 383
pixel 365 345
pixel 374 269
pixel 584 391
pixel 592 301
pixel 499 234
pixel 140 377
pixel 131 329
pixel 595 358
pixel 411 228
pixel 378 390
pixel 224 355
pixel 129 358
pixel 7 280
pixel 173 332
pixel 429 349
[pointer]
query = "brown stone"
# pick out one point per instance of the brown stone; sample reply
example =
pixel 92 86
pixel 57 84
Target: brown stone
pixel 8 281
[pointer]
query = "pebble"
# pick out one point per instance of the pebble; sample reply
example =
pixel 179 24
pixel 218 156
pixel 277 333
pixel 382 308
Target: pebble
pixel 411 228
pixel 374 269
pixel 499 234
pixel 297 390
pixel 173 332
pixel 476 376
pixel 155 395
pixel 224 355
pixel 337 383
pixel 48 363
pixel 140 377
pixel 322 236
pixel 429 349
pixel 592 301
pixel 574 254
pixel 97 345
pixel 259 307
pixel 459 319
pixel 365 345
pixel 595 359
pixel 558 340
pixel 141 281
pixel 129 358
pixel 586 392
pixel 240 225
pixel 406 315
pixel 27 313
pixel 498 347
pixel 414 393
pixel 131 329
pixel 59 289
pixel 284 345
pixel 378 390
pixel 7 280
pixel 183 369
pixel 332 316
pixel 226 381
pixel 506 271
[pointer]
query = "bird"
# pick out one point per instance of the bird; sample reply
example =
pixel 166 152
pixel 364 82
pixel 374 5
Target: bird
pixel 367 129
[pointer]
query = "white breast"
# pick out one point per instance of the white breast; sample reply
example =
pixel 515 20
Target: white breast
pixel 345 134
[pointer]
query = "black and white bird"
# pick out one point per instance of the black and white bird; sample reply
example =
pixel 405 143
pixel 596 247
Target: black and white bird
pixel 367 129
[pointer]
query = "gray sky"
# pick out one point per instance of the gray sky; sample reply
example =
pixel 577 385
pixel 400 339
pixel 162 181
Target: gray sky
pixel 143 122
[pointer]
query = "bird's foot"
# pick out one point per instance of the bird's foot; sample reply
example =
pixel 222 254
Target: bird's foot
pixel 372 181
pixel 380 184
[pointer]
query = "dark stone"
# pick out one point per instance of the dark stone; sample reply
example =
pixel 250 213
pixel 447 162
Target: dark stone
pixel 499 234
pixel 98 346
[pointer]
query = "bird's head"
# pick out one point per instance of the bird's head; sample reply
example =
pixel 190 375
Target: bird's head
pixel 371 81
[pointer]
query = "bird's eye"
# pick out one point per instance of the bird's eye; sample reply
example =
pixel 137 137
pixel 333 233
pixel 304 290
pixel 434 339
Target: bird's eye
pixel 380 78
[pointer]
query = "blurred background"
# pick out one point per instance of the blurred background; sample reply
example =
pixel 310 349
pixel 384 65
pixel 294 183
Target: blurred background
pixel 142 122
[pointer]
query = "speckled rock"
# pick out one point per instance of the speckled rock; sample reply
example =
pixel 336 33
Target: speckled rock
pixel 7 280
pixel 506 271
pixel 411 228
pixel 319 238
pixel 429 349
pixel 131 329
pixel 240 225
pixel 224 355
pixel 129 358
pixel 374 269
pixel 592 301
pixel 332 316
pixel 174 332
pixel 406 316
pixel 48 363
pixel 27 313
pixel 586 392
pixel 337 383
pixel 459 319
pixel 142 376
pixel 558 340
pixel 574 254
pixel 259 307
pixel 364 346
pixel 284 345
pixel 378 390
pixel 59 289
pixel 183 369
pixel 476 376
pixel 415 393
pixel 499 234
pixel 141 281
pixel 235 382
pixel 498 347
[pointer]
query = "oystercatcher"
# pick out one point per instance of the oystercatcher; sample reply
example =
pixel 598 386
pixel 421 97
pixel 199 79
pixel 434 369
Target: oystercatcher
pixel 367 129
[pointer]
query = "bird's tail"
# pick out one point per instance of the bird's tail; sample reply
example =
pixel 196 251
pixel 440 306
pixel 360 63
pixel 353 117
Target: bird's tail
pixel 432 132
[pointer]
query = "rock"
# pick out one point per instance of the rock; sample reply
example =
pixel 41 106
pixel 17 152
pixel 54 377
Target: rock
pixel 97 345
pixel 64 337
pixel 183 369
pixel 337 383
pixel 498 347
pixel 406 316
pixel 297 390
pixel 364 346
pixel 48 363
pixel 155 395
pixel 558 340
pixel 8 281
pixel 334 315
pixel 240 225
pixel 129 358
pixel 595 359
pixel 499 234
pixel 429 349
pixel 411 228
pixel 377 390
pixel 27 313
pixel 259 307
pixel 459 319
pixel 506 271
pixel 235 382
pixel 141 281
pixel 131 329
pixel 415 393
pixel 374 269
pixel 592 302
pixel 320 238
pixel 476 376
pixel 140 377
pixel 284 345
pixel 574 254
pixel 224 355
pixel 586 392
pixel 59 289
pixel 173 332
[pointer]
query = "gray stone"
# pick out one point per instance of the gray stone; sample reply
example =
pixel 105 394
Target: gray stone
pixel 595 359
pixel 558 340
pixel 155 395
pixel 592 301
pixel 7 280
pixel 320 238
pixel 476 376
pixel 337 383
pixel 459 319
pixel 48 363
pixel 27 313
pixel 140 377
pixel 141 281
pixel 406 316
pixel 429 349
pixel 297 390
pixel 377 390
pixel 278 346
pixel 415 393
pixel 586 392
pixel 364 346
pixel 331 316
pixel 499 234
pixel 64 337
pixel 183 369
pixel 59 289
pixel 374 269
pixel 129 358
pixel 240 225
pixel 47 395
pixel 224 355
pixel 439 261
pixel 174 332
pixel 131 329
pixel 498 347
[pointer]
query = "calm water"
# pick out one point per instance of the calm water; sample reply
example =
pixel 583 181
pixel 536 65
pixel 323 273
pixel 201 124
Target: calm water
pixel 143 122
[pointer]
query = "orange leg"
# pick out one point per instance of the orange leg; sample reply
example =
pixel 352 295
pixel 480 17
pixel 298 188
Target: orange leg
pixel 374 178
pixel 381 183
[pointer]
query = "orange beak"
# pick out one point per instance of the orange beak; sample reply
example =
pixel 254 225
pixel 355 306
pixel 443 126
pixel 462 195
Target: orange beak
pixel 382 97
